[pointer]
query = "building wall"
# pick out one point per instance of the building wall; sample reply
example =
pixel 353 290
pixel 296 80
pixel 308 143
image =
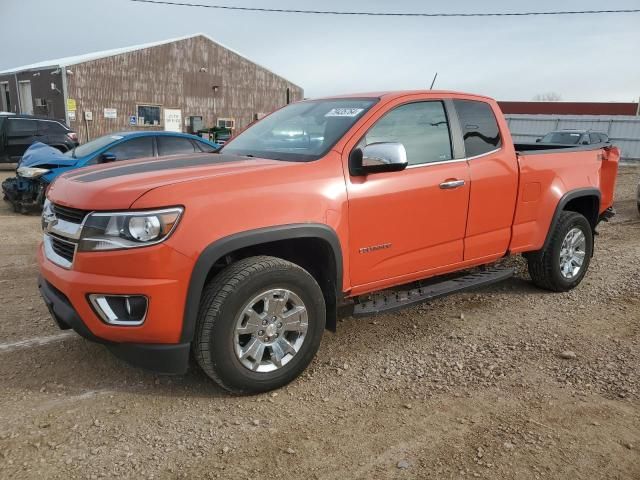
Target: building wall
pixel 41 81
pixel 179 75
pixel 623 131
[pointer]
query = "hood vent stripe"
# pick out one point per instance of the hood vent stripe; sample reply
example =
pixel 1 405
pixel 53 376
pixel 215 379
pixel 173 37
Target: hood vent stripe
pixel 159 165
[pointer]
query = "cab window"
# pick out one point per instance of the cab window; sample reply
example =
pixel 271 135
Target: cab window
pixel 479 127
pixel 422 127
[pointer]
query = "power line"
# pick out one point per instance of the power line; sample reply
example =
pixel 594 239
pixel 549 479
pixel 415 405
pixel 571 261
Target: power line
pixel 387 14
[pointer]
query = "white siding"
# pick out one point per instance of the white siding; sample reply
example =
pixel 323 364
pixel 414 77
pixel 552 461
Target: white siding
pixel 623 131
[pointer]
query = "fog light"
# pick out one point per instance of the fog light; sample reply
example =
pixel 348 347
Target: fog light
pixel 120 309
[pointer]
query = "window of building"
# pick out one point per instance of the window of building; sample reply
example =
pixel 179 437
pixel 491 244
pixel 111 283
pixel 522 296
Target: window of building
pixel 479 127
pixel 149 115
pixel 226 123
pixel 139 147
pixel 422 128
pixel 174 146
pixel 5 98
pixel 22 127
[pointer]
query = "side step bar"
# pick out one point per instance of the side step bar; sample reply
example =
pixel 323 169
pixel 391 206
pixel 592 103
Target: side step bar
pixel 383 303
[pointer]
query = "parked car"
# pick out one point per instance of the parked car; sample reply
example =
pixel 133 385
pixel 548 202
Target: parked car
pixel 243 259
pixel 19 132
pixel 574 137
pixel 41 164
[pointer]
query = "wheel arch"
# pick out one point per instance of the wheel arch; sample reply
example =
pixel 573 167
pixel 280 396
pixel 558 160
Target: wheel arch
pixel 585 201
pixel 284 241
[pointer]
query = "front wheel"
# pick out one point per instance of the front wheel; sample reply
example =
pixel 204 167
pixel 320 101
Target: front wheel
pixel 563 263
pixel 260 324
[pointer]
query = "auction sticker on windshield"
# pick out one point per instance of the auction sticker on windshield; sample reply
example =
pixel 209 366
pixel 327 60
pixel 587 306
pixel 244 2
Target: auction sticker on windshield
pixel 343 112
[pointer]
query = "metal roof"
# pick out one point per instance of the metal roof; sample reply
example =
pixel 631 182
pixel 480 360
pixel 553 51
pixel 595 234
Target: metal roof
pixel 569 108
pixel 87 57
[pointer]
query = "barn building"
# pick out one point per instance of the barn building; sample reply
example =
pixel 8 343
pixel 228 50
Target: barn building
pixel 181 84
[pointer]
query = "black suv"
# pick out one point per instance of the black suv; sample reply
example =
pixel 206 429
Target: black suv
pixel 18 132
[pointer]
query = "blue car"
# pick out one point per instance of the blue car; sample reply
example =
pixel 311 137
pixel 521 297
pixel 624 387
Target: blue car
pixel 41 164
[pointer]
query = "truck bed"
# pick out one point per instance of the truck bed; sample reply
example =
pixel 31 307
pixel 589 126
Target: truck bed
pixel 545 173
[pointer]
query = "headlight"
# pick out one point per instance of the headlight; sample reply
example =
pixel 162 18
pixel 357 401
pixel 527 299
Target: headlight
pixel 32 172
pixel 112 231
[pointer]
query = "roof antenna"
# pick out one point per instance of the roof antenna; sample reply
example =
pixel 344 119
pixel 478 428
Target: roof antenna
pixel 433 81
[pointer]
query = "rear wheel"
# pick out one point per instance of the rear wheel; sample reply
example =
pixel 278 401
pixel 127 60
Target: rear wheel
pixel 260 324
pixel 563 263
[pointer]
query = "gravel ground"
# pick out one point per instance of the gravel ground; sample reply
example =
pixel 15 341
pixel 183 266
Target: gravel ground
pixel 504 382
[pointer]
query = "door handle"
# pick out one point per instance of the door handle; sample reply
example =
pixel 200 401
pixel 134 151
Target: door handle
pixel 449 184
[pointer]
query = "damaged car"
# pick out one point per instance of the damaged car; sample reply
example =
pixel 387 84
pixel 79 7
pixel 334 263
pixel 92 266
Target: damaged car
pixel 41 164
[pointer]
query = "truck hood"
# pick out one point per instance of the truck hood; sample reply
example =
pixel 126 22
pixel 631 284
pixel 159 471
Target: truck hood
pixel 118 185
pixel 41 155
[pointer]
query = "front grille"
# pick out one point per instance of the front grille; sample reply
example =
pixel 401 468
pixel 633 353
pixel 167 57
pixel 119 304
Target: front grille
pixel 73 215
pixel 63 248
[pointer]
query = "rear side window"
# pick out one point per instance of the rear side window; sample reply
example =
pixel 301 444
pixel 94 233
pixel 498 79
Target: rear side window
pixel 479 127
pixel 51 128
pixel 174 146
pixel 205 147
pixel 135 148
pixel 19 126
pixel 422 128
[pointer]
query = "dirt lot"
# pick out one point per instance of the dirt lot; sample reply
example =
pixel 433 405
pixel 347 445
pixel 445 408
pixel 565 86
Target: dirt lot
pixel 468 386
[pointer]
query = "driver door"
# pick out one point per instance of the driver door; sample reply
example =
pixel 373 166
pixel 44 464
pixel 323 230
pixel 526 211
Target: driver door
pixel 403 224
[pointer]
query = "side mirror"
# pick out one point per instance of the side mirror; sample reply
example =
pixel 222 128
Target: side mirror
pixel 106 158
pixel 538 140
pixel 378 158
pixel 585 142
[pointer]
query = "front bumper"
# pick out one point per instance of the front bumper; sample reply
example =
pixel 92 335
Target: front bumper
pixel 160 358
pixel 157 272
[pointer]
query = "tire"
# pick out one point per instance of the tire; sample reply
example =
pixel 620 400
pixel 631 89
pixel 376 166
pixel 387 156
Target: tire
pixel 225 300
pixel 545 265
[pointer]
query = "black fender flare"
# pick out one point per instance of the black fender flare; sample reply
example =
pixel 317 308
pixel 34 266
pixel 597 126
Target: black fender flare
pixel 564 200
pixel 226 245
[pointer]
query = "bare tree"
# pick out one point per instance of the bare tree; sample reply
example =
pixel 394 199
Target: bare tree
pixel 548 97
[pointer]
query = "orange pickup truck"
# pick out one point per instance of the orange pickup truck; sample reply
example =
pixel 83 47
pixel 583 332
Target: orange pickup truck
pixel 371 202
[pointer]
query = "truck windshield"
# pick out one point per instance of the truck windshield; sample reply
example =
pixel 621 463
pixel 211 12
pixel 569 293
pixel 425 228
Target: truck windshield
pixel 93 146
pixel 302 131
pixel 562 138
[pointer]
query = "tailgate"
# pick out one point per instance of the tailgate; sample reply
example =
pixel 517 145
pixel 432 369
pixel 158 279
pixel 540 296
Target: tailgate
pixel 608 175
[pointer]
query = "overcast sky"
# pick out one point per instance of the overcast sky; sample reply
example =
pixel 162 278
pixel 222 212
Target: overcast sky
pixel 582 58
